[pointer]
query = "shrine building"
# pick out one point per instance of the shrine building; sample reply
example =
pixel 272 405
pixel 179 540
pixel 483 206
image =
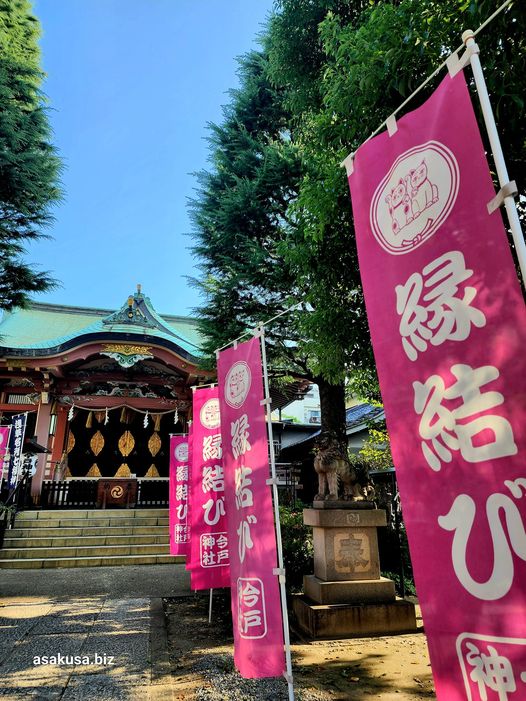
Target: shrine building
pixel 103 389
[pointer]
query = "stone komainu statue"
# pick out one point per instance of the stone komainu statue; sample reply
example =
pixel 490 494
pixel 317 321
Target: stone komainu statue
pixel 333 468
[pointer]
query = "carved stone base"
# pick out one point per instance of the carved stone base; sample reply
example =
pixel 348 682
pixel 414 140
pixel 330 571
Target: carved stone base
pixel 349 592
pixel 319 621
pixel 343 504
pixel 346 597
pixel 345 543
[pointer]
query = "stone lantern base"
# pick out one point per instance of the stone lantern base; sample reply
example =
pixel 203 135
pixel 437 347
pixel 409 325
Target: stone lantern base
pixel 346 596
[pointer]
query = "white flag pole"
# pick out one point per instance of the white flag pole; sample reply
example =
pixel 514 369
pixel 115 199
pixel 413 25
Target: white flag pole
pixel 210 607
pixel 507 189
pixel 273 481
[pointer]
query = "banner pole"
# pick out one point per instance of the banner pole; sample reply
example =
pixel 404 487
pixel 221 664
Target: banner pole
pixel 498 155
pixel 281 572
pixel 210 607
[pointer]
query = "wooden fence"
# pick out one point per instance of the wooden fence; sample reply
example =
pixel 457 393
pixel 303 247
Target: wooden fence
pixel 81 493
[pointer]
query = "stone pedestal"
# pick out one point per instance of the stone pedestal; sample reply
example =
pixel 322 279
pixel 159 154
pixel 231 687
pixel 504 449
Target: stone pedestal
pixel 346 596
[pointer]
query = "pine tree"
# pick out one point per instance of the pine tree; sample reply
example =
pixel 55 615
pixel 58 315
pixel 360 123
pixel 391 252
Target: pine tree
pixel 29 166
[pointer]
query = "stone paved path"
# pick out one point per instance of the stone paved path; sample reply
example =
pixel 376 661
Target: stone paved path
pixel 113 622
pixel 119 646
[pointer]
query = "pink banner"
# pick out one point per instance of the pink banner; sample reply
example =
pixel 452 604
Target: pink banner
pixel 209 545
pixel 179 515
pixel 190 463
pixel 448 326
pixel 256 610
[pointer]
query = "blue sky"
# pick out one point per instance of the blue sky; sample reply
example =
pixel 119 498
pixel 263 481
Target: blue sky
pixel 132 85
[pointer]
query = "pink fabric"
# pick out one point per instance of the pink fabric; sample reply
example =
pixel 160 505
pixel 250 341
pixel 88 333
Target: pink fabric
pixel 256 611
pixel 209 546
pixel 179 516
pixel 190 468
pixel 448 326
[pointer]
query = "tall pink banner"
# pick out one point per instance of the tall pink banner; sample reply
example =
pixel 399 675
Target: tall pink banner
pixel 178 496
pixel 210 552
pixel 190 463
pixel 256 611
pixel 448 326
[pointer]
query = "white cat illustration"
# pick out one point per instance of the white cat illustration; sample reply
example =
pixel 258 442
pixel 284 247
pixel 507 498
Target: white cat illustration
pixel 423 192
pixel 400 206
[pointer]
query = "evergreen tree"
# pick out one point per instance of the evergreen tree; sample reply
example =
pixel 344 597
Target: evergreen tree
pixel 29 166
pixel 273 218
pixel 252 251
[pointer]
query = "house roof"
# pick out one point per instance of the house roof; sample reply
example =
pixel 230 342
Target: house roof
pixel 356 417
pixel 49 327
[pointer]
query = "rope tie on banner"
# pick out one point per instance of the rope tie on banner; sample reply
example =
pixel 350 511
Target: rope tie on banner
pixel 279 572
pixel 390 122
pixel 508 190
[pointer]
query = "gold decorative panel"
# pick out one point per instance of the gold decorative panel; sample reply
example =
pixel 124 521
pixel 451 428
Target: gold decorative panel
pixel 71 442
pixel 97 443
pixel 94 471
pixel 154 444
pixel 126 443
pixel 123 471
pixel 127 350
pixel 152 472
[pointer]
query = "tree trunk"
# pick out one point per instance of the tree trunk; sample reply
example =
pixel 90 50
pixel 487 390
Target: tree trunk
pixel 332 405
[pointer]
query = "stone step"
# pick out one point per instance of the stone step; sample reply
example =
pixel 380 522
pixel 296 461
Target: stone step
pixel 59 541
pixel 81 530
pixel 95 561
pixel 81 550
pixel 53 514
pixel 87 522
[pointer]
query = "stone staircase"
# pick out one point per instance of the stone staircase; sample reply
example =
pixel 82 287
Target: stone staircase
pixel 88 538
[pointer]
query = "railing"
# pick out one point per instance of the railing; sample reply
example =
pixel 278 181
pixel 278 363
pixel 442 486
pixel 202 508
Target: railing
pixel 82 493
pixel 69 494
pixel 152 492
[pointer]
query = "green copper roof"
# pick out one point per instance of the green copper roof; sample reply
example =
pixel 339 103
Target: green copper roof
pixel 46 326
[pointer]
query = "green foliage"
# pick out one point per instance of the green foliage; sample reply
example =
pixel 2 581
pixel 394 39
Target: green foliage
pixel 409 584
pixel 29 166
pixel 255 261
pixel 19 33
pixel 298 552
pixel 376 450
pixel 365 58
pixel 272 216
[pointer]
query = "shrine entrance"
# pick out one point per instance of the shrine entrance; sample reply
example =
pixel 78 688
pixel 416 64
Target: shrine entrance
pixel 109 387
pixel 122 442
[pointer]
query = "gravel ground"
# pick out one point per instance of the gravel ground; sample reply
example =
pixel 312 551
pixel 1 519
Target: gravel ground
pixel 384 668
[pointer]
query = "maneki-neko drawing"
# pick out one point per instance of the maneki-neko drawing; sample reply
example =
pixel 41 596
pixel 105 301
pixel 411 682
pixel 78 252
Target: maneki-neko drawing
pixel 415 197
pixel 413 194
